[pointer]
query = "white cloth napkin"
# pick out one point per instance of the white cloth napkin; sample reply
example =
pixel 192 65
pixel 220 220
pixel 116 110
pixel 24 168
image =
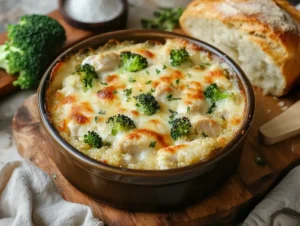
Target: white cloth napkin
pixel 29 197
pixel 281 207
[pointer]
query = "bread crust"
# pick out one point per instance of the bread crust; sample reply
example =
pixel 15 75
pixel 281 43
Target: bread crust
pixel 280 41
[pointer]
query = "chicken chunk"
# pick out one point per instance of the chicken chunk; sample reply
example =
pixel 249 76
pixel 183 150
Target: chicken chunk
pixel 207 126
pixel 162 89
pixel 103 62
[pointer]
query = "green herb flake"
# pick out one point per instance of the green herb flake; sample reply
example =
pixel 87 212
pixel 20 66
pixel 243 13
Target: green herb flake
pixel 96 119
pixel 204 65
pixel 173 115
pixel 148 82
pixel 188 109
pixel 115 92
pixel 157 71
pixel 152 144
pixel 189 74
pixel 127 92
pixel 177 81
pixel 204 135
pixel 170 97
pixel 147 72
pixel 152 90
pixel 260 161
pixel 101 112
pixel 164 67
pixel 104 83
pixel 132 80
pixel 212 108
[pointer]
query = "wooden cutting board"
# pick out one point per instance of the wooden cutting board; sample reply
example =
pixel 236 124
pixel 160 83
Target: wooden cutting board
pixel 73 35
pixel 231 202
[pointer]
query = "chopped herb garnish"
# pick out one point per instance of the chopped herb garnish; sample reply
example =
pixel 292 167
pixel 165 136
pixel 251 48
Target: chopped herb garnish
pixel 164 19
pixel 96 119
pixel 147 72
pixel 152 144
pixel 189 74
pixel 164 67
pixel 170 97
pixel 204 65
pixel 115 92
pixel 104 83
pixel 152 90
pixel 177 81
pixel 211 108
pixel 204 134
pixel 157 71
pixel 108 144
pixel 188 109
pixel 260 161
pixel 132 80
pixel 172 117
pixel 148 82
pixel 101 112
pixel 188 86
pixel 127 92
pixel 226 72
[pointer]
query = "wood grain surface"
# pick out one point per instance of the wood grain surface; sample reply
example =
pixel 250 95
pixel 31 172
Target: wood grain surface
pixel 74 35
pixel 231 202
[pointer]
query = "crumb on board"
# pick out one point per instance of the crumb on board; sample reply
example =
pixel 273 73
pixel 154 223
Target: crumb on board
pixel 284 108
pixel 54 176
pixel 269 111
pixel 281 103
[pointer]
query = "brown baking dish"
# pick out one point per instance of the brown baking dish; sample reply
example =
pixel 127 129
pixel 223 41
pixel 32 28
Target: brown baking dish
pixel 141 190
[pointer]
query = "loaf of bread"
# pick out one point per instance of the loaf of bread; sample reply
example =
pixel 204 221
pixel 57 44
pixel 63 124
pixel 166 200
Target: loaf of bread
pixel 262 36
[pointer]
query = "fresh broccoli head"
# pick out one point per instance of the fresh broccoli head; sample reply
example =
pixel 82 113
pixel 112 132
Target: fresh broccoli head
pixel 93 139
pixel 147 104
pixel 133 62
pixel 120 123
pixel 87 74
pixel 32 45
pixel 164 19
pixel 181 127
pixel 214 94
pixel 179 56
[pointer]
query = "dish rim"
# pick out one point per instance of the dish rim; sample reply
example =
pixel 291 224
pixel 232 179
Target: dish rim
pixel 197 167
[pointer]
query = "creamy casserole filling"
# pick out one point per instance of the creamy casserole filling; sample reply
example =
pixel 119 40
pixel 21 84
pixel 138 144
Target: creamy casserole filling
pixel 146 106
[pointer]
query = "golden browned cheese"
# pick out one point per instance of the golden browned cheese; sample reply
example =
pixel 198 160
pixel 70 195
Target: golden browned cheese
pixel 179 91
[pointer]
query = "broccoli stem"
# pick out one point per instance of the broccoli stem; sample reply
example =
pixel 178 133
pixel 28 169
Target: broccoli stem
pixel 3 55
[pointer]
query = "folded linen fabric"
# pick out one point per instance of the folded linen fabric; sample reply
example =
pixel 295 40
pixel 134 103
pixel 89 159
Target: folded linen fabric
pixel 281 207
pixel 28 196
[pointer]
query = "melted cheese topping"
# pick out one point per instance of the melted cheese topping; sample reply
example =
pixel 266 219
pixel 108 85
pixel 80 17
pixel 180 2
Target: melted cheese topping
pixel 74 110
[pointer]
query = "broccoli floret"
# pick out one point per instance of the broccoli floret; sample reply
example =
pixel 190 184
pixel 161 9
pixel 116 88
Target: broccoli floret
pixel 181 127
pixel 179 56
pixel 93 139
pixel 147 104
pixel 32 45
pixel 133 62
pixel 214 94
pixel 120 123
pixel 164 19
pixel 87 74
